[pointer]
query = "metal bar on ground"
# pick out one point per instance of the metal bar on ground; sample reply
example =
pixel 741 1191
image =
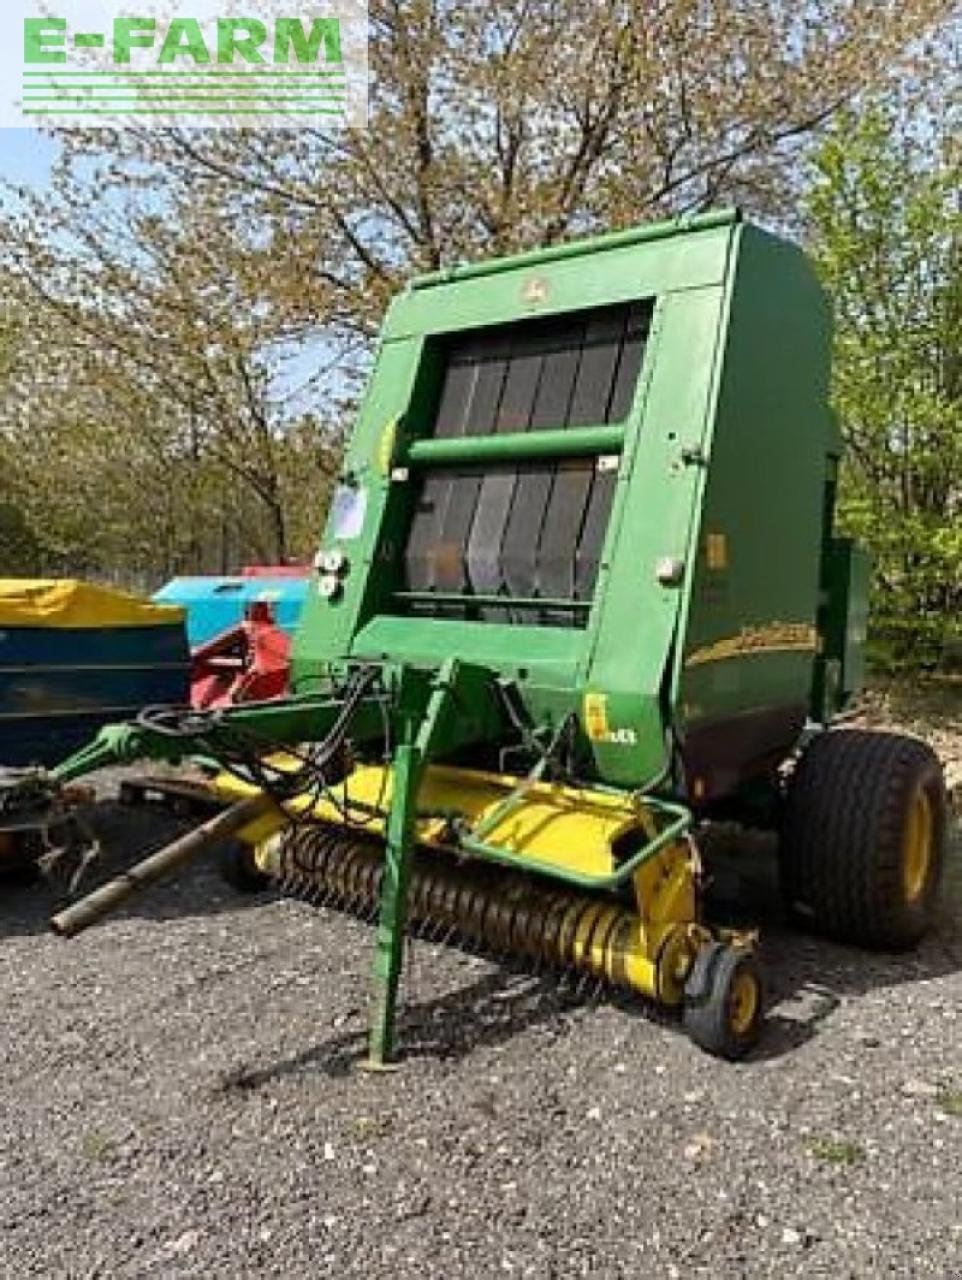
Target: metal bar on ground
pixel 115 892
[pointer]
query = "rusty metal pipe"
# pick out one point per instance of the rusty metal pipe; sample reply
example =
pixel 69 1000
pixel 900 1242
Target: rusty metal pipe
pixel 113 894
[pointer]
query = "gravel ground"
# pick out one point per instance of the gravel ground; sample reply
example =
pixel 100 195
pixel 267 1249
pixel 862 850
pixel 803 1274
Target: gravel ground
pixel 183 1098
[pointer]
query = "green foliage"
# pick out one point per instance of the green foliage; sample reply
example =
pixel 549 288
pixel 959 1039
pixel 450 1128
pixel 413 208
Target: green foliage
pixel 886 218
pixel 838 1151
pixel 145 429
pixel 949 1103
pixel 19 551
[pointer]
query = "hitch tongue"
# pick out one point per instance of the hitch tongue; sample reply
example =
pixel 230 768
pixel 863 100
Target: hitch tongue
pixel 113 894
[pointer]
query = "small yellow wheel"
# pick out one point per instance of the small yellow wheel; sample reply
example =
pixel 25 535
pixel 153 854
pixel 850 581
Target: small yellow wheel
pixel 724 1000
pixel 240 870
pixel 744 999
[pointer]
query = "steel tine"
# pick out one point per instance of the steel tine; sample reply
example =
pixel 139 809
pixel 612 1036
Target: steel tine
pixel 595 993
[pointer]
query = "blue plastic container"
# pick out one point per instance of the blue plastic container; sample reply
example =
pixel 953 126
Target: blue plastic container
pixel 214 604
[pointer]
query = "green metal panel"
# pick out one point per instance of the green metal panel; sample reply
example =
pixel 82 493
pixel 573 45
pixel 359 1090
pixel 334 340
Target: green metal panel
pixel 546 656
pixel 645 234
pixel 402 388
pixel 400 381
pixel 579 280
pixel 848 573
pixel 636 614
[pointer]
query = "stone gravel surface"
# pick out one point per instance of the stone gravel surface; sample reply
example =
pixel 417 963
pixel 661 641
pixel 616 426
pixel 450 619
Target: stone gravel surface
pixel 182 1097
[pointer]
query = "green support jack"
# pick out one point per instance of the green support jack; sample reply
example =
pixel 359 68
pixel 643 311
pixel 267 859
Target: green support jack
pixel 393 909
pixel 418 744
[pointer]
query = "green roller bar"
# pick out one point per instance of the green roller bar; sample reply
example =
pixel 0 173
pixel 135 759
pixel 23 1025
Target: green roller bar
pixel 572 442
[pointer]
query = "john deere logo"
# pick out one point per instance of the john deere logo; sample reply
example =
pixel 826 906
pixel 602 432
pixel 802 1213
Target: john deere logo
pixel 210 65
pixel 535 290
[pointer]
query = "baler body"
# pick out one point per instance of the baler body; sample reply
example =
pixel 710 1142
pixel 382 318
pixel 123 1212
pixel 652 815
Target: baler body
pixel 578 595
pixel 606 472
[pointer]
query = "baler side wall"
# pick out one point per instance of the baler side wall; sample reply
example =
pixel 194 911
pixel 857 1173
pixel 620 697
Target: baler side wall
pixel 751 638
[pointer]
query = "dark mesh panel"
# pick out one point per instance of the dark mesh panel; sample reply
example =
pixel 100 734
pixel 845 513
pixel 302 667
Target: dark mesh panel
pixel 519 550
pixel 559 536
pixel 484 553
pixel 447 556
pixel 572 484
pixel 593 532
pixel 632 350
pixel 604 335
pixel 535 531
pixel 452 417
pixel 602 484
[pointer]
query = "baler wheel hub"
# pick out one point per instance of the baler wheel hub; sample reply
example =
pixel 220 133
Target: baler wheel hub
pixel 918 847
pixel 743 1001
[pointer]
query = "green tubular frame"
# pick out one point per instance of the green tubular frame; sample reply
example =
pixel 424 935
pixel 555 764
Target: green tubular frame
pixel 414 753
pixel 678 827
pixel 273 724
pixel 430 719
pixel 426 731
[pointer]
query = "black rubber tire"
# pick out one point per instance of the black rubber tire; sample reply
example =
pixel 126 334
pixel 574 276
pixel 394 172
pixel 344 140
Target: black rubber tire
pixel 238 868
pixel 707 1014
pixel 843 839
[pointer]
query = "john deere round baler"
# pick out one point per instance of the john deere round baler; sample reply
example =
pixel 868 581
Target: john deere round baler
pixel 579 596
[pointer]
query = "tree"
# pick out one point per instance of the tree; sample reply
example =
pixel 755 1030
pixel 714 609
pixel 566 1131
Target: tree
pixel 496 128
pixel 149 435
pixel 181 280
pixel 18 548
pixel 886 219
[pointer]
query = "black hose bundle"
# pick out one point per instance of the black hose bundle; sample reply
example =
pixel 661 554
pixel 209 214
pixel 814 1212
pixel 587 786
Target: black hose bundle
pixel 306 770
